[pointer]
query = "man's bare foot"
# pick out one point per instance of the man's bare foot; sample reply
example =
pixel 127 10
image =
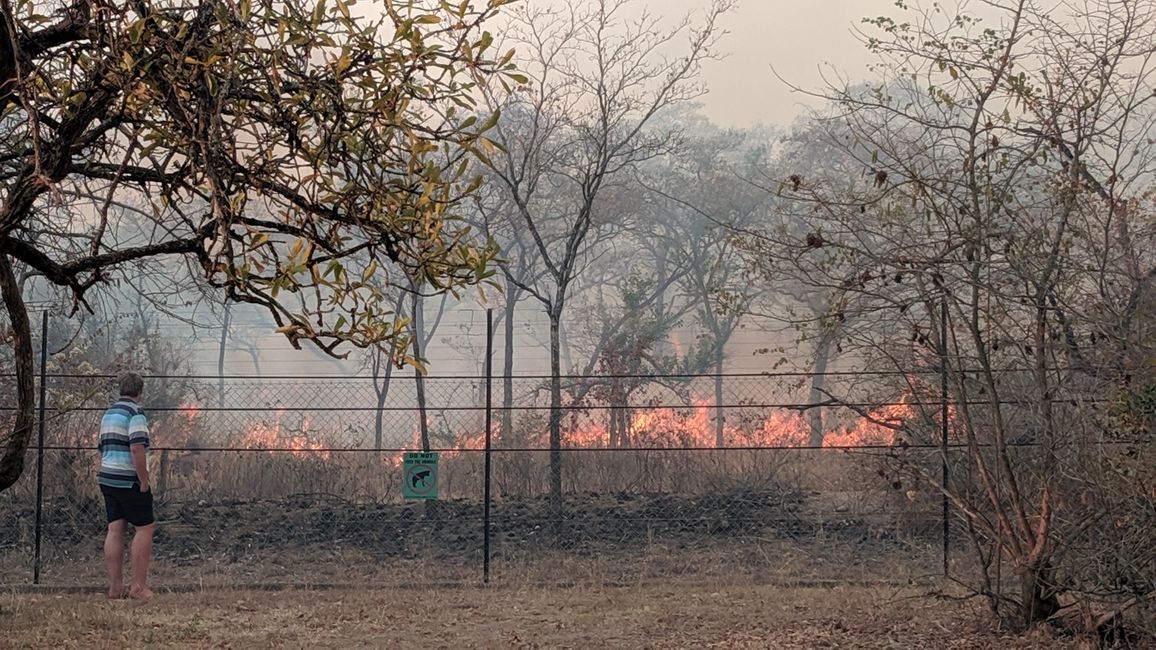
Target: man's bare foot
pixel 140 594
pixel 117 594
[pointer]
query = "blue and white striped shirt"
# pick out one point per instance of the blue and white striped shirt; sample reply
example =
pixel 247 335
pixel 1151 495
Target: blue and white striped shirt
pixel 124 424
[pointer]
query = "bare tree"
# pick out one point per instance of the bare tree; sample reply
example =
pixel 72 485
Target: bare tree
pixel 380 363
pixel 495 215
pixel 704 199
pixel 423 334
pixel 815 316
pixel 997 194
pixel 598 78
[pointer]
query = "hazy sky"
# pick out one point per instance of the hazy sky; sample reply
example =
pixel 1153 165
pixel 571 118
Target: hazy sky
pixel 797 37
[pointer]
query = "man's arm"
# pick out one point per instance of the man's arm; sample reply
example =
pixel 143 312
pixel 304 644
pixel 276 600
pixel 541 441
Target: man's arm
pixel 140 464
pixel 138 439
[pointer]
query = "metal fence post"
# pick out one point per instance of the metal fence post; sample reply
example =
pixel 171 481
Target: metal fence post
pixel 944 431
pixel 40 447
pixel 489 435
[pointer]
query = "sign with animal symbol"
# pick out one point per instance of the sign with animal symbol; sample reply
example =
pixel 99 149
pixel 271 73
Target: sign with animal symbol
pixel 419 475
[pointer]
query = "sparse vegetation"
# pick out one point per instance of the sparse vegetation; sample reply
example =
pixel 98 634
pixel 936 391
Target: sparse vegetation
pixel 943 275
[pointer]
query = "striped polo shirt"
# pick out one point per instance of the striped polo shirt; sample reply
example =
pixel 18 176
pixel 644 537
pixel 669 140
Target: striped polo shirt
pixel 123 424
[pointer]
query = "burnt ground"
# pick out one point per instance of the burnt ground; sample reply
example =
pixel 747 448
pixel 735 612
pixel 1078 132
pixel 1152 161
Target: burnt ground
pixel 748 529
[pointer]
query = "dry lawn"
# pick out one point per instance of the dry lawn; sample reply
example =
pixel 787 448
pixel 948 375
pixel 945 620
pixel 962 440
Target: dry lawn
pixel 508 617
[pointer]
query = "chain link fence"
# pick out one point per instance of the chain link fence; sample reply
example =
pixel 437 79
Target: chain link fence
pixel 298 480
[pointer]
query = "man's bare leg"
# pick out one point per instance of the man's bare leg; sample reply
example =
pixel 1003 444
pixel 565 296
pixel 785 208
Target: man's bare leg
pixel 142 548
pixel 114 558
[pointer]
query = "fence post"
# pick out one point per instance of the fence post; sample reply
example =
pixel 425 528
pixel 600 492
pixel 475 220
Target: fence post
pixel 489 435
pixel 944 432
pixel 40 447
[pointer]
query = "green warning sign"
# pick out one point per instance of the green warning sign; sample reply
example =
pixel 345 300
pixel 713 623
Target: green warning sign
pixel 419 475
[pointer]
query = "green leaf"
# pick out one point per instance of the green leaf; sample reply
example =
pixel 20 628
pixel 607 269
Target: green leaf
pixel 135 30
pixel 343 63
pixel 369 271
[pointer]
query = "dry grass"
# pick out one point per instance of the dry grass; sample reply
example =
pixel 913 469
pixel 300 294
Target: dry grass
pixel 588 617
pixel 365 476
pixel 746 562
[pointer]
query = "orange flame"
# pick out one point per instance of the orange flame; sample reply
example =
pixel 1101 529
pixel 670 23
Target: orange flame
pixel 191 409
pixel 178 428
pixel 697 426
pixel 271 436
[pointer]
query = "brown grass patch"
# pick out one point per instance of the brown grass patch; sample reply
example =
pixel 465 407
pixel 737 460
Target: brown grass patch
pixel 501 617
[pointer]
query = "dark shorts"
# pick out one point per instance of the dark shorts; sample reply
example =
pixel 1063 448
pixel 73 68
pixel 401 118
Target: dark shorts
pixel 130 504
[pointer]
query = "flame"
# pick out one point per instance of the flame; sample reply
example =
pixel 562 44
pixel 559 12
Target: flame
pixel 191 409
pixel 782 428
pixel 395 460
pixel 264 435
pixel 697 427
pixel 179 427
pixel 877 428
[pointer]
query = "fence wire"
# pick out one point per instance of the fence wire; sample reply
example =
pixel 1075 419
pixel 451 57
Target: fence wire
pixel 298 480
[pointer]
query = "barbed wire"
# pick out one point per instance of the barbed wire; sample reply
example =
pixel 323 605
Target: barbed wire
pixel 592 377
pixel 791 406
pixel 636 449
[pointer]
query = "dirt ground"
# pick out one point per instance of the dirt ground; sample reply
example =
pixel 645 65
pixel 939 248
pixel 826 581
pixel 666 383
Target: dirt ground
pixel 506 617
pixel 751 537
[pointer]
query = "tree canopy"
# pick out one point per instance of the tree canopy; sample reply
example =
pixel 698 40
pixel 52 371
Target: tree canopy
pixel 290 152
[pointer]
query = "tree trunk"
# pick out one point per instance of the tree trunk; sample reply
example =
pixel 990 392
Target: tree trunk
pixel 612 438
pixel 623 413
pixel 419 379
pixel 221 353
pixel 378 416
pixel 382 392
pixel 663 347
pixel 719 416
pixel 818 384
pixel 430 506
pixel 564 347
pixel 255 356
pixel 508 368
pixel 423 420
pixel 12 461
pixel 556 421
pixel 1038 596
pixel 614 432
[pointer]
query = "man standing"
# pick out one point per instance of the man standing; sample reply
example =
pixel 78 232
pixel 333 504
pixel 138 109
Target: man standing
pixel 124 482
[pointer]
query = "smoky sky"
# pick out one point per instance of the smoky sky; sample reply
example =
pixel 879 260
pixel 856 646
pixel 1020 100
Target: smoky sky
pixel 802 39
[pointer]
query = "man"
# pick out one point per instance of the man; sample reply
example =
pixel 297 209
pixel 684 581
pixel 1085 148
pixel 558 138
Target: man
pixel 124 482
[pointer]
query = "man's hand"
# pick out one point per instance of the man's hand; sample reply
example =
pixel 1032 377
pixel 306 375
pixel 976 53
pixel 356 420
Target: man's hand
pixel 140 464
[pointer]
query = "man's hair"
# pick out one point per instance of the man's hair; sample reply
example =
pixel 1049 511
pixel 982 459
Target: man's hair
pixel 131 384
